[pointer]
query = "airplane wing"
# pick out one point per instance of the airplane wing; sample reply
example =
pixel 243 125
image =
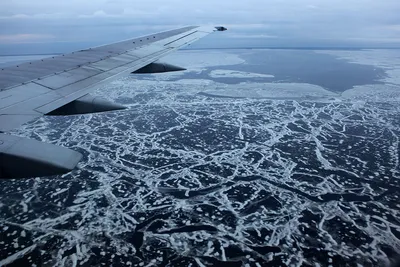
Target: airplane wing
pixel 61 85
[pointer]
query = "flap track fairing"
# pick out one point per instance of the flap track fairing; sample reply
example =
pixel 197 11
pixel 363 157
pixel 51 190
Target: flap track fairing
pixel 85 105
pixel 158 68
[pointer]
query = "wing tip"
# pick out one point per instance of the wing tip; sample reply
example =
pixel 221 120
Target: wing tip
pixel 221 28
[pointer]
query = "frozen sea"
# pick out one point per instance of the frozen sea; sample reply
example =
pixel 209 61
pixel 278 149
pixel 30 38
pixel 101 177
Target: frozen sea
pixel 249 158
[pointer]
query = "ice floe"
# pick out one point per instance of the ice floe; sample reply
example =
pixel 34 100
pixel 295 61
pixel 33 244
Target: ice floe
pixel 237 74
pixel 272 91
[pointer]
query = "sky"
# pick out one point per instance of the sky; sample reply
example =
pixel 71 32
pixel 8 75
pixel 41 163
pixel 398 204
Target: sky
pixel 48 26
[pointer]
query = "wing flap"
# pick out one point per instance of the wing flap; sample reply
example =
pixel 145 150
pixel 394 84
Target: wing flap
pixel 112 63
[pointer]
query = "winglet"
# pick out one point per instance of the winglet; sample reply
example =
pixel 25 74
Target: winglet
pixel 221 28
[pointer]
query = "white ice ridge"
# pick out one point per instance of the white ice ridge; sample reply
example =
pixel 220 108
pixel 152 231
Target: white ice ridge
pixel 17 255
pixel 373 93
pixel 271 91
pixel 241 90
pixel 237 74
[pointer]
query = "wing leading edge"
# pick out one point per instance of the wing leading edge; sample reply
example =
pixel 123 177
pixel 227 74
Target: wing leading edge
pixel 61 85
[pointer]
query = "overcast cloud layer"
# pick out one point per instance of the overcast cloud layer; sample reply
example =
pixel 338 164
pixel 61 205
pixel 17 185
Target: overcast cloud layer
pixel 59 26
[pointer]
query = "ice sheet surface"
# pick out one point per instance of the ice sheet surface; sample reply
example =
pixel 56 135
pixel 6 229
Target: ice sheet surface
pixel 204 170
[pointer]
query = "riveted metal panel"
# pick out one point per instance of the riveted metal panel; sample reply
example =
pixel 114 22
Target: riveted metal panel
pixel 72 88
pixel 12 76
pixel 109 64
pixel 19 74
pixel 30 106
pixel 84 58
pixel 190 38
pixel 21 93
pixel 126 57
pixel 147 53
pixel 69 77
pixel 51 67
pixel 48 66
pixel 8 81
pixel 145 40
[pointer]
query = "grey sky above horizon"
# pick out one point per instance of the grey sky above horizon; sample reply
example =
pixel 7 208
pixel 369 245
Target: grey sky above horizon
pixel 28 24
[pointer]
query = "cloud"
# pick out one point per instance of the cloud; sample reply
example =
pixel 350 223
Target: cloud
pixel 256 36
pixel 98 14
pixel 100 21
pixel 374 40
pixel 24 38
pixel 395 27
pixel 26 17
pixel 312 7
